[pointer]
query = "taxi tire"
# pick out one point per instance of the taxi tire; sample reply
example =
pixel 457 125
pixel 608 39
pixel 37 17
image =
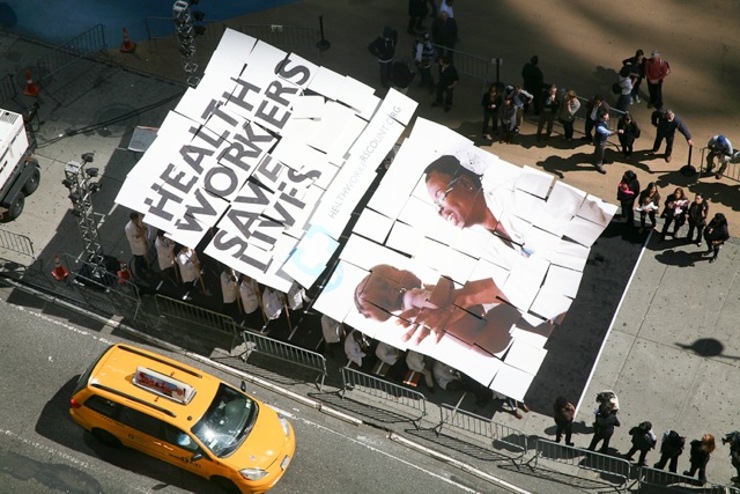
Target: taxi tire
pixel 225 485
pixel 106 438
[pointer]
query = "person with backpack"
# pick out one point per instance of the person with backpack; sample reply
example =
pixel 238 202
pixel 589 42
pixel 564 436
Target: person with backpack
pixel 671 447
pixel 734 439
pixel 643 440
pixel 384 49
pixel 606 421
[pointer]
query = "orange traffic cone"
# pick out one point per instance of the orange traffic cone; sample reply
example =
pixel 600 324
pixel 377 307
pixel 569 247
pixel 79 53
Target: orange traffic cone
pixel 31 88
pixel 123 273
pixel 59 272
pixel 127 46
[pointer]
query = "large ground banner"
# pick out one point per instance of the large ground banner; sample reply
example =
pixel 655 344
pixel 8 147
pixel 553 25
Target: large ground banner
pixel 466 258
pixel 272 153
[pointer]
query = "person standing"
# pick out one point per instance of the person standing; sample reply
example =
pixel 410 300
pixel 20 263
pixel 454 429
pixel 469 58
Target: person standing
pixel 354 347
pixel 676 207
pixel 521 99
pixel 716 234
pixel 699 455
pixel 656 70
pixel 625 89
pixel 563 413
pixel 593 107
pixel 229 292
pixel 166 256
pixel 384 49
pixel 533 82
pixel 630 132
pixel 549 109
pixel 189 264
pixel 423 53
pixel 491 104
pixel 698 211
pixel 643 440
pixel 601 135
pixel 649 203
pixel 444 34
pixel 637 72
pixel 667 123
pixel 418 10
pixel 249 292
pixel 720 147
pixel 136 235
pixel 568 111
pixel 627 193
pixel 671 447
pixel 734 439
pixel 401 76
pixel 509 127
pixel 448 79
pixel 606 421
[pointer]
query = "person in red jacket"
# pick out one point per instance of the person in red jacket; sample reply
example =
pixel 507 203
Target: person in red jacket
pixel 656 69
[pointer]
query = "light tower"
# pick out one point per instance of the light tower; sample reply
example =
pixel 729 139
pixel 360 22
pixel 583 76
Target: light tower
pixel 186 33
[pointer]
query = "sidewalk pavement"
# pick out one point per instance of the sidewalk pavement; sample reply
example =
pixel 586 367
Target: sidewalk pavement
pixel 671 355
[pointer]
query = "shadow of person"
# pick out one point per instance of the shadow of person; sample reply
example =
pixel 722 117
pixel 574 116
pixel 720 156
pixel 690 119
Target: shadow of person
pixel 557 165
pixel 680 258
pixel 607 76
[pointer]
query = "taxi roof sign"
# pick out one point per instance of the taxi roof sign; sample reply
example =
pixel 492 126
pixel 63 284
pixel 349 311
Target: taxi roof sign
pixel 162 385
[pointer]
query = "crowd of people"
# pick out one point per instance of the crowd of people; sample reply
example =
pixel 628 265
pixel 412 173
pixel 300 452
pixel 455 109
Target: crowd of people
pixel 643 438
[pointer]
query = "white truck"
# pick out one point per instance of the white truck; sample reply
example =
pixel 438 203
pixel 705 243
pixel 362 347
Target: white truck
pixel 19 170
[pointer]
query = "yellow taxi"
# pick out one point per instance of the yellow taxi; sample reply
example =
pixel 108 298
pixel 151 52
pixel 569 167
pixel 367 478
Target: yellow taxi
pixel 184 416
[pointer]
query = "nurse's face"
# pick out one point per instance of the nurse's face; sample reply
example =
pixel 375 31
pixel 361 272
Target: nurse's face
pixel 454 197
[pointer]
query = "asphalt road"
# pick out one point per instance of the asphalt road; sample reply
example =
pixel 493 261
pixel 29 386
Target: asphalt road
pixel 42 450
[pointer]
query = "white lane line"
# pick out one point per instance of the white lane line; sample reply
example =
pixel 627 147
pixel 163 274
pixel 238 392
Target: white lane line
pixel 376 450
pixel 62 324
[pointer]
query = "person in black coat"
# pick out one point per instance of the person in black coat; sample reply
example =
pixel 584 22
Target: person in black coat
pixel 699 456
pixel 384 49
pixel 563 413
pixel 671 448
pixel 606 421
pixel 697 216
pixel 627 193
pixel 715 234
pixel 676 208
pixel 643 440
pixel 630 132
pixel 649 203
pixel 491 103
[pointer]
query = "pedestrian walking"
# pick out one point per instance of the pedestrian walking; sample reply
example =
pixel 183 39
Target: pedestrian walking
pixel 716 234
pixel 697 216
pixel 733 438
pixel 656 70
pixel 643 440
pixel 423 53
pixel 624 84
pixel 676 209
pixel 593 108
pixel 549 109
pixel 448 79
pixel 569 108
pixel 627 192
pixel 563 413
pixel 671 447
pixel 601 135
pixel 720 148
pixel 491 103
pixel 666 122
pixel 699 454
pixel 636 64
pixel 606 421
pixel 384 49
pixel 649 203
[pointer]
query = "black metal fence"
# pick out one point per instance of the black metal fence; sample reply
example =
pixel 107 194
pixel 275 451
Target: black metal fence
pixel 87 43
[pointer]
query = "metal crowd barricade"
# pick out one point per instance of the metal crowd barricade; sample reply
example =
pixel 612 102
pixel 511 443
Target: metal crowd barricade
pixel 482 427
pixel 732 171
pixel 403 399
pixel 171 308
pixel 583 459
pixel 673 482
pixel 258 343
pixel 15 242
pixel 470 65
pixel 87 43
pixel 285 37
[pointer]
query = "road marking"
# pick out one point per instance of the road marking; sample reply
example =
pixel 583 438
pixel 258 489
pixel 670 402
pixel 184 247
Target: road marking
pixel 62 324
pixel 389 455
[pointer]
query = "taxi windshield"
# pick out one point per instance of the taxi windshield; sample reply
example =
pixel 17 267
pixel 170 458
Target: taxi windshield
pixel 227 421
